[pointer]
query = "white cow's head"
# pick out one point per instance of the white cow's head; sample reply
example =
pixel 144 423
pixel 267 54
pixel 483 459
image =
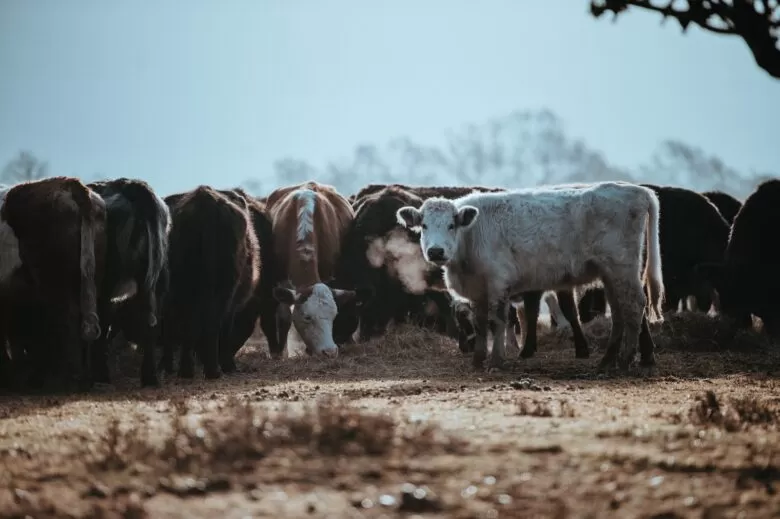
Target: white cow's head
pixel 315 308
pixel 441 223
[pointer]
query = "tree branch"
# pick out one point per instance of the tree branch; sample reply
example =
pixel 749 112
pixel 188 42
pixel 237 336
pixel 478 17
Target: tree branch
pixel 756 22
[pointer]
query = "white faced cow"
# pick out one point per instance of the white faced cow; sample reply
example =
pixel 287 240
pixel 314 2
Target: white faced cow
pixel 494 246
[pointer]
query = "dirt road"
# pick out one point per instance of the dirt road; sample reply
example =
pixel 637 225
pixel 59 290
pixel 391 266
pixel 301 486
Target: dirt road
pixel 405 427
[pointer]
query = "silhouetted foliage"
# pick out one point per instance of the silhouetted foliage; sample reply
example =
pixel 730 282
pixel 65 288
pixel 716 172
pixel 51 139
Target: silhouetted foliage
pixel 757 22
pixel 524 148
pixel 24 167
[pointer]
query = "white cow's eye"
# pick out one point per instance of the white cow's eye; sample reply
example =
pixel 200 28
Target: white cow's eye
pixel 424 227
pixel 451 227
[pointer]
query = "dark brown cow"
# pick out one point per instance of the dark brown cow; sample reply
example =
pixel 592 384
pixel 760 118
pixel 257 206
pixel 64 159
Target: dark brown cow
pixel 726 204
pixel 748 278
pixel 310 221
pixel 60 227
pixel 214 267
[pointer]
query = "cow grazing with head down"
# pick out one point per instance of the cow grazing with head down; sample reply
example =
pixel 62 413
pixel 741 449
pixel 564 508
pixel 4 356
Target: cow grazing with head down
pixel 310 221
pixel 138 224
pixel 213 261
pixel 495 246
pixel 727 205
pixel 59 227
pixel 747 279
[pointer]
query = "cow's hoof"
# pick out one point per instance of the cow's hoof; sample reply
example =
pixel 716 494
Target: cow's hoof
pixel 582 354
pixel 150 380
pixel 212 374
pixel 646 370
pixel 188 373
pixel 527 353
pixel 607 367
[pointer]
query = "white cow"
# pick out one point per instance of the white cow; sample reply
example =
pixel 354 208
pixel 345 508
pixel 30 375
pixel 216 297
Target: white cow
pixel 494 246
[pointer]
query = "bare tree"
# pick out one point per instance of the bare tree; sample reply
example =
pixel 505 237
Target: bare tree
pixel 23 168
pixel 677 163
pixel 757 22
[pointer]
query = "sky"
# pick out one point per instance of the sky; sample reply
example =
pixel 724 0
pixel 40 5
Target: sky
pixel 189 92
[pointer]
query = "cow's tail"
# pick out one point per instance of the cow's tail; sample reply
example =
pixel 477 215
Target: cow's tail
pixel 90 322
pixel 653 278
pixel 156 219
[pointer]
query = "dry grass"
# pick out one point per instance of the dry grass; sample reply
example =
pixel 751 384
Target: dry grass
pixel 404 425
pixel 239 434
pixel 732 414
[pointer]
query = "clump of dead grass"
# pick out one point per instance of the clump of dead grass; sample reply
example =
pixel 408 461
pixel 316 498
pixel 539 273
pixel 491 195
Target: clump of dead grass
pixel 545 408
pixel 734 414
pixel 240 434
pixel 405 351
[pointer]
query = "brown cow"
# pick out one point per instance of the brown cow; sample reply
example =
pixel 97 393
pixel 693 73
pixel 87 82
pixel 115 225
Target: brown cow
pixel 60 227
pixel 310 221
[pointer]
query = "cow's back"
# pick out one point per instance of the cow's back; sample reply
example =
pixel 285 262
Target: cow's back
pixel 331 220
pixel 754 232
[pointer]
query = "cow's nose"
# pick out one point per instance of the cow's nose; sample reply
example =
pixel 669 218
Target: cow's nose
pixel 435 253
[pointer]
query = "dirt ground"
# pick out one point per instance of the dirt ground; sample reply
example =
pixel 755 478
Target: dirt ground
pixel 403 427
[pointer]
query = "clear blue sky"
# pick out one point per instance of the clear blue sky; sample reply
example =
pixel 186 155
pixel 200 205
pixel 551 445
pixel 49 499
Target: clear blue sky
pixel 203 91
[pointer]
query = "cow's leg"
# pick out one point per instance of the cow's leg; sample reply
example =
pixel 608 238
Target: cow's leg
pixel 498 313
pixel 532 301
pixel 185 343
pixel 208 345
pixel 634 302
pixel 269 324
pixel 556 312
pixel 703 296
pixel 672 297
pixel 519 319
pixel 609 360
pixel 568 309
pixel 228 344
pixel 512 324
pixel 99 349
pixel 646 348
pixel 283 318
pixel 481 321
pixel 465 318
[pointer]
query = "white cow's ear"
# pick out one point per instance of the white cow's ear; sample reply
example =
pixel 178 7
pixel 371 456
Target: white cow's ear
pixel 286 296
pixel 409 216
pixel 467 215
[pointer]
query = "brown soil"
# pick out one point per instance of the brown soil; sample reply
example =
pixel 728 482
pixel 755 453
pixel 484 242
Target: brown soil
pixel 404 427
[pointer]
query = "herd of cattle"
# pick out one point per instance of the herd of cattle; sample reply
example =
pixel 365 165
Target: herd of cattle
pixel 195 271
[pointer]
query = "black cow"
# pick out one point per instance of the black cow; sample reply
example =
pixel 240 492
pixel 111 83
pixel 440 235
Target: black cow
pixel 214 268
pixel 747 279
pixel 726 204
pixel 138 223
